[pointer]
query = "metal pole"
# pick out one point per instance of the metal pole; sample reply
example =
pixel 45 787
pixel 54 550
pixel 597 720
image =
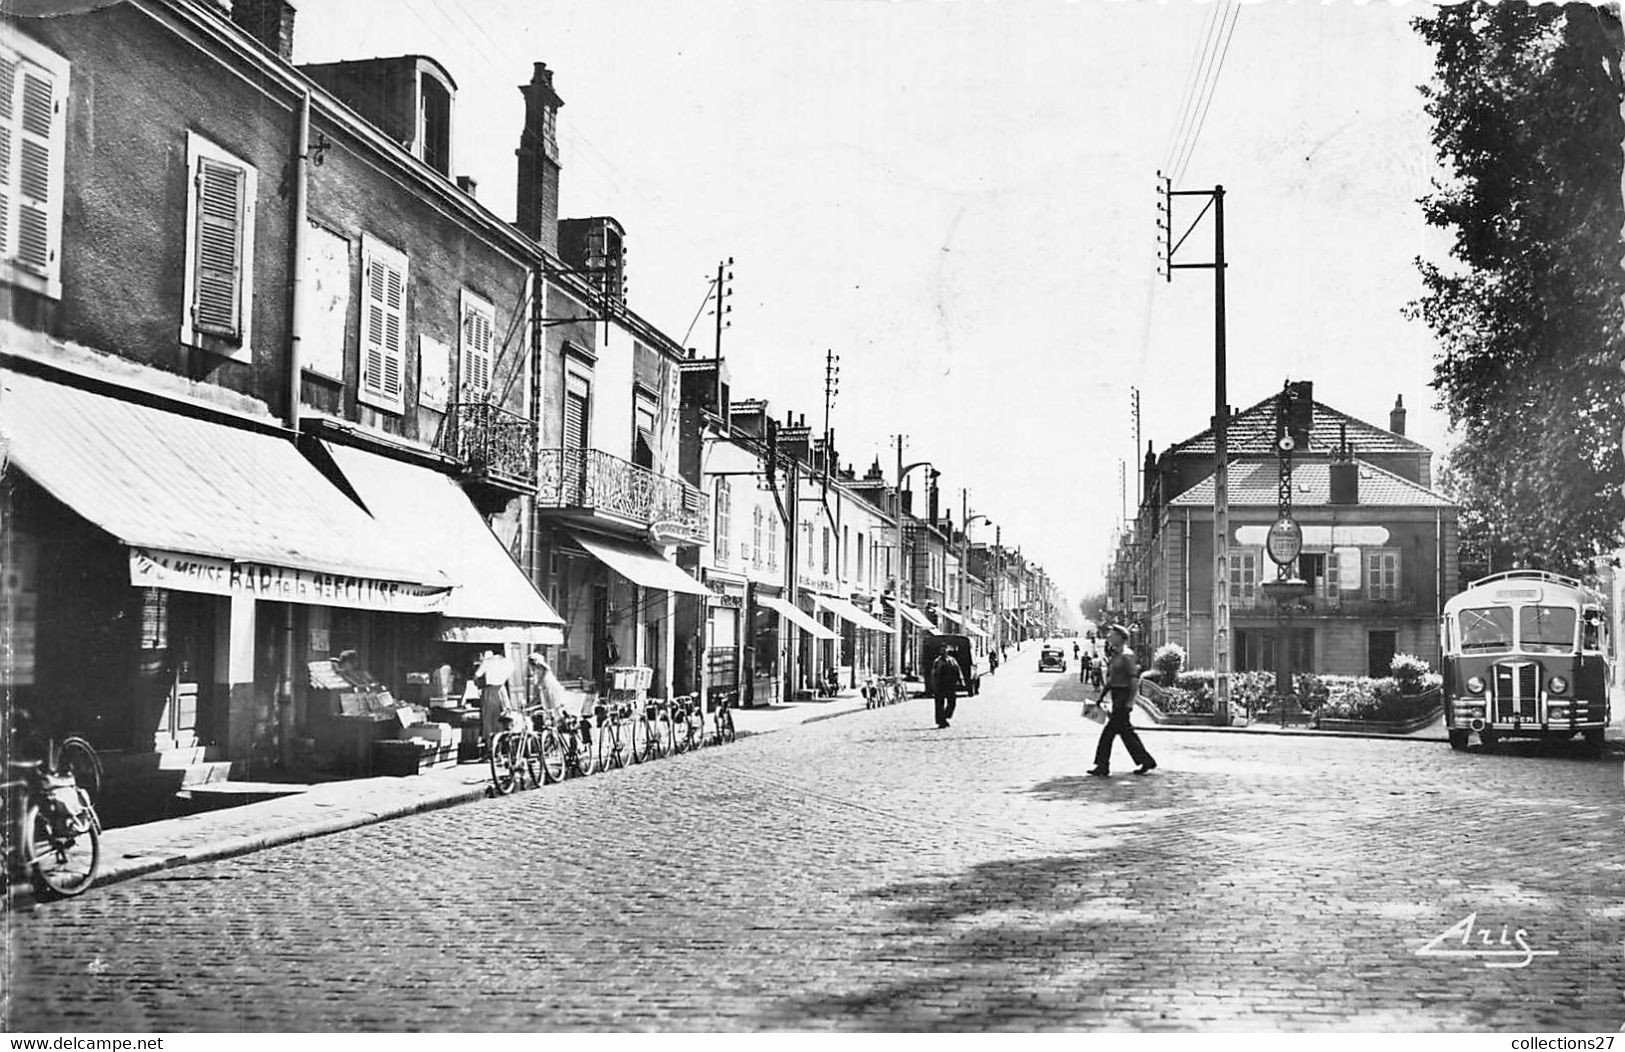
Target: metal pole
pixel 1221 481
pixel 719 311
pixel 897 586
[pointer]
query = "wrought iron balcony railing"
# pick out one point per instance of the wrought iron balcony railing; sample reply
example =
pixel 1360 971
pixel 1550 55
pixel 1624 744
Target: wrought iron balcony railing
pixel 591 479
pixel 498 446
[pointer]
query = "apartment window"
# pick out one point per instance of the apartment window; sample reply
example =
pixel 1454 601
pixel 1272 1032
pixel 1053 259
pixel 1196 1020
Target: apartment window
pixel 773 544
pixel 826 551
pixel 643 430
pixel 33 120
pixel 756 522
pixel 219 250
pixel 1382 573
pixel 383 325
pixel 478 346
pixel 860 557
pixel 724 515
pixel 577 411
pixel 1243 575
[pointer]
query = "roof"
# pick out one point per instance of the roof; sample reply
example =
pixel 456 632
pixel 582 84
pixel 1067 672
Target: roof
pixel 1257 483
pixel 1253 431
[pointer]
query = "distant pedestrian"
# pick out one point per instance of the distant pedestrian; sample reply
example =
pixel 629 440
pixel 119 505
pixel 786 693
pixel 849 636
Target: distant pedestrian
pixel 1122 682
pixel 993 660
pixel 945 683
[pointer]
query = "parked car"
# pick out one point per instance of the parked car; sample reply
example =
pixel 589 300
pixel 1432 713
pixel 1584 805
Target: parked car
pixel 971 665
pixel 1051 659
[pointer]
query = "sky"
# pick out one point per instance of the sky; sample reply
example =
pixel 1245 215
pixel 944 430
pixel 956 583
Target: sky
pixel 960 200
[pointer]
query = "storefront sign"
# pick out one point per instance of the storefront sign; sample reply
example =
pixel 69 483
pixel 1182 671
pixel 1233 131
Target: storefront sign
pixel 1319 537
pixel 151 568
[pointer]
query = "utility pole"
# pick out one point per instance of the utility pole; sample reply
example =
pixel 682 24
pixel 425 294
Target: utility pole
pixel 1139 481
pixel 1221 421
pixel 832 387
pixel 724 276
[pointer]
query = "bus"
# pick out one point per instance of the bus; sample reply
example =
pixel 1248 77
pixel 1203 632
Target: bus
pixel 1525 654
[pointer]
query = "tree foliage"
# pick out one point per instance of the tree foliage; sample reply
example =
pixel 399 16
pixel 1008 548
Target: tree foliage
pixel 1525 104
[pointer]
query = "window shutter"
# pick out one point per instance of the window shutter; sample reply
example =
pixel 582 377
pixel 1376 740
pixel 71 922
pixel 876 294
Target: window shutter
pixel 575 420
pixel 217 298
pixel 8 117
pixel 383 327
pixel 478 337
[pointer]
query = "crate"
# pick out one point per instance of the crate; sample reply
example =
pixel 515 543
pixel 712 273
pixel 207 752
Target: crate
pixel 396 758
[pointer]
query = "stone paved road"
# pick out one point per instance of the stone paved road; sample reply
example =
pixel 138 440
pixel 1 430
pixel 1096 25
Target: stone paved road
pixel 874 873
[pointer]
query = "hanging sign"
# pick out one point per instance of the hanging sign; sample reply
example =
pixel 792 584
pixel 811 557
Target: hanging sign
pixel 1285 542
pixel 151 568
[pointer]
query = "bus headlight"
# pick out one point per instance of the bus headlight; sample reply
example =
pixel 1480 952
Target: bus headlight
pixel 1475 685
pixel 1557 685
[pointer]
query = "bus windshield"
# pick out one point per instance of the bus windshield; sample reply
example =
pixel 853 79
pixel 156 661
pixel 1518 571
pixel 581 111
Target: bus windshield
pixel 1486 628
pixel 1546 628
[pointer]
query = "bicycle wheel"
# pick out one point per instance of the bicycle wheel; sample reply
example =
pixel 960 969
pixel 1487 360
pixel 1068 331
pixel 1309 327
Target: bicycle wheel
pixel 528 760
pixel 725 727
pixel 578 756
pixel 77 757
pixel 551 756
pixel 504 773
pixel 607 750
pixel 62 853
pixel 637 738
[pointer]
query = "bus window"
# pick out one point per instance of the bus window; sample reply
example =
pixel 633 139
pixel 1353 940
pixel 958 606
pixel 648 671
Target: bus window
pixel 1486 628
pixel 1591 637
pixel 1546 628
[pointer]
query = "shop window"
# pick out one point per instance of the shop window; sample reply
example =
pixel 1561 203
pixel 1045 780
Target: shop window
pixel 33 93
pixel 219 250
pixel 154 619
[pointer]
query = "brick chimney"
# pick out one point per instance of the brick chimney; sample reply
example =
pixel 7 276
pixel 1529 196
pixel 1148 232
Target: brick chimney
pixel 1396 416
pixel 537 211
pixel 268 21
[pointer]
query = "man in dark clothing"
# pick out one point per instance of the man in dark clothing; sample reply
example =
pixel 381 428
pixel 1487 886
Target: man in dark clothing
pixel 945 681
pixel 1122 681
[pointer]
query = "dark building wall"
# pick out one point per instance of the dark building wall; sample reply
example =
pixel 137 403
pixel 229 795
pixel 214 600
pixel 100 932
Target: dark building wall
pixel 558 305
pixel 350 196
pixel 135 91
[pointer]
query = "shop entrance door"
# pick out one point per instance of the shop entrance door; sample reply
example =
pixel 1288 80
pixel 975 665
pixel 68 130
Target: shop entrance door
pixel 191 665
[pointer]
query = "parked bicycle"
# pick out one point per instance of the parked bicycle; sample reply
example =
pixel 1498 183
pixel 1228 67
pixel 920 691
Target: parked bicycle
pixel 722 720
pixel 516 753
pixel 612 740
pixel 647 731
pixel 55 831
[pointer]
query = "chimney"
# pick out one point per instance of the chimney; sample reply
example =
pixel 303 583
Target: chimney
pixel 1396 416
pixel 931 499
pixel 268 21
pixel 537 213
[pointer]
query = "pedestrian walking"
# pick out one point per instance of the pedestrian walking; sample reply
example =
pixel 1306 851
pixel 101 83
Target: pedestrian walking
pixel 1122 682
pixel 945 682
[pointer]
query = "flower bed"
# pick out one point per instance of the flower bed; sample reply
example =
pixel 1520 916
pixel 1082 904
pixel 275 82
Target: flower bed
pixel 1397 704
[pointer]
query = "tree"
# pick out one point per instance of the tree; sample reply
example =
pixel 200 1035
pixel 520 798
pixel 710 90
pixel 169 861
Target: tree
pixel 1525 105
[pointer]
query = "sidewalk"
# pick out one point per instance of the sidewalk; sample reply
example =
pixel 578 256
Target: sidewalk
pixel 330 807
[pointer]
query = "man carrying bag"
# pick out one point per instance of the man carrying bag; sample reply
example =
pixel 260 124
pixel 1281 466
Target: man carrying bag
pixel 1122 682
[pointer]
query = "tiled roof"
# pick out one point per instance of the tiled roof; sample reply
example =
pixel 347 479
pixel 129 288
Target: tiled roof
pixel 1256 483
pixel 1252 431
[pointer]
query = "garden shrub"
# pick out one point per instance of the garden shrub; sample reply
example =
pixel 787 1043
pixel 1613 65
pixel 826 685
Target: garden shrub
pixel 1167 661
pixel 1408 670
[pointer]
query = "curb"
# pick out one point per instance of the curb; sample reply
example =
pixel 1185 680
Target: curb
pixel 125 869
pixel 1293 732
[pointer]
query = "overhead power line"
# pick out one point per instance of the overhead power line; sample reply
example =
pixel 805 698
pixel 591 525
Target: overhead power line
pixel 1181 123
pixel 1213 83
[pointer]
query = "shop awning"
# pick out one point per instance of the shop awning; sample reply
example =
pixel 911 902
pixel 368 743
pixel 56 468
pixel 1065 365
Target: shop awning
pixel 640 564
pixel 972 629
pixel 798 617
pixel 911 614
pixel 492 601
pixel 848 612
pixel 208 507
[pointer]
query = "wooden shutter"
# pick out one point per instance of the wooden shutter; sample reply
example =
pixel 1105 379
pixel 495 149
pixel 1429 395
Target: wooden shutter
pixel 575 414
pixel 478 344
pixel 217 290
pixel 8 118
pixel 383 325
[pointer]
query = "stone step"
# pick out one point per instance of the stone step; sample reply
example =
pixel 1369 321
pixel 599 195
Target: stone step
pixel 216 796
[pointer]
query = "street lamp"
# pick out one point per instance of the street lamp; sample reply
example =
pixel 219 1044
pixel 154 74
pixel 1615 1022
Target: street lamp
pixel 902 473
pixel 964 567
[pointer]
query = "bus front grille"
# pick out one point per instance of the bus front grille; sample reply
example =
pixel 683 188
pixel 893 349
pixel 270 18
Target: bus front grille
pixel 1517 691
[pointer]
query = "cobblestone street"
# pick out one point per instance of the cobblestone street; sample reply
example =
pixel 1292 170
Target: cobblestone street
pixel 874 873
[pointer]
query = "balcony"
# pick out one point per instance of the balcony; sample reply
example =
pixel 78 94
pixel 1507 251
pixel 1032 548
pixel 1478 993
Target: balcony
pixel 498 449
pixel 593 482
